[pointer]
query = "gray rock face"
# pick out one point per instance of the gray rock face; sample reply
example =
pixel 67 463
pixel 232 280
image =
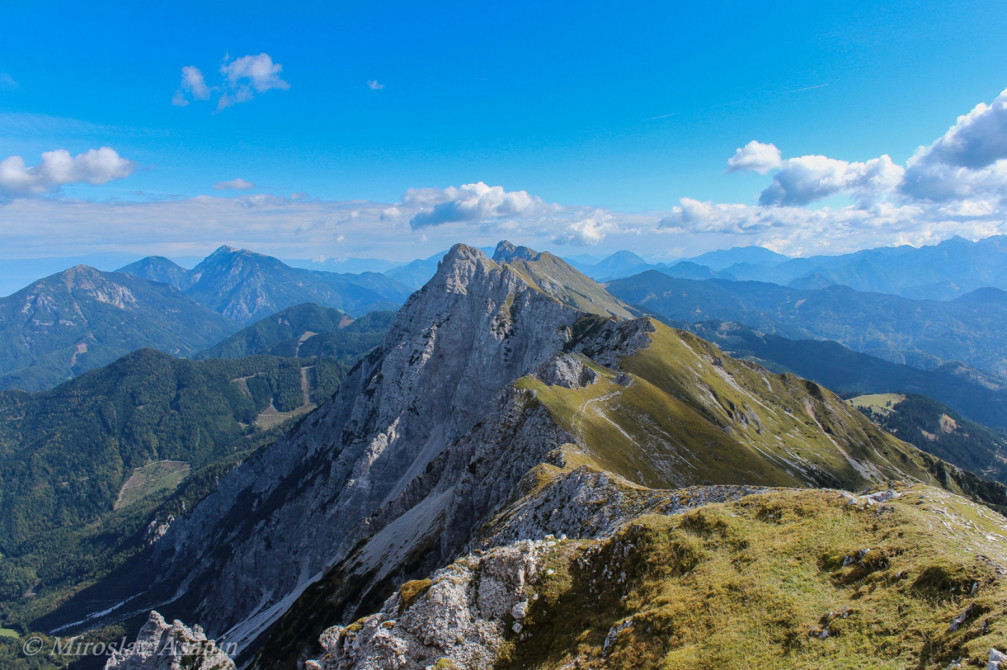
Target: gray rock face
pixel 164 646
pixel 363 462
pixel 461 617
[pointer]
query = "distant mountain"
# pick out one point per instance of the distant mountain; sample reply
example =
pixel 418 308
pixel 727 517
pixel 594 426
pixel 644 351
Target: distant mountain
pixel 980 396
pixel 82 318
pixel 919 333
pixel 725 258
pixel 246 286
pixel 159 269
pixel 940 430
pixel 306 330
pixel 619 264
pixel 91 468
pixel 940 272
pixel 415 273
pixel 943 271
pixel 689 270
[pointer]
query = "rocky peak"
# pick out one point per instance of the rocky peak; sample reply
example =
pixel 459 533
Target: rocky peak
pixel 507 252
pixel 351 468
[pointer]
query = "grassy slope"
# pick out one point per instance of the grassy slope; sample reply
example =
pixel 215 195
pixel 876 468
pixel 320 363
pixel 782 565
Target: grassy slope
pixel 755 583
pixel 150 480
pixel 690 415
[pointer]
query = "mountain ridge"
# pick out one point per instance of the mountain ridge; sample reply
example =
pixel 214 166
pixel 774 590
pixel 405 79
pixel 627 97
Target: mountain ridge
pixel 494 382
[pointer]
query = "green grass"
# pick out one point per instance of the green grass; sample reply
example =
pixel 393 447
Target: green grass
pixel 151 479
pixel 878 402
pixel 755 583
pixel 691 415
pixel 271 417
pixel 7 632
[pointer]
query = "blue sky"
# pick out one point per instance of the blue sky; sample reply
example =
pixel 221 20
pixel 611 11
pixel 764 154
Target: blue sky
pixel 586 125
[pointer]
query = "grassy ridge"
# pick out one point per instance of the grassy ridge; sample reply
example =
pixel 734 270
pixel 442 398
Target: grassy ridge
pixel 788 579
pixel 680 413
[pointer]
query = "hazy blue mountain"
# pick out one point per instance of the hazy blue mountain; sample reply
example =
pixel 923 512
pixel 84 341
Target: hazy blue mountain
pixel 725 258
pixel 344 265
pixel 939 272
pixel 416 273
pixel 690 270
pixel 159 269
pixel 619 264
pixel 82 318
pixel 922 333
pixel 246 286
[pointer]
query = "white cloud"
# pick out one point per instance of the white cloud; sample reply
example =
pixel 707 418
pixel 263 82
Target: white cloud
pixel 249 75
pixel 7 82
pixel 588 231
pixel 803 180
pixel 977 140
pixel 375 85
pixel 470 202
pixel 193 84
pixel 241 79
pixel 798 230
pixel 967 161
pixel 238 183
pixel 755 156
pixel 97 166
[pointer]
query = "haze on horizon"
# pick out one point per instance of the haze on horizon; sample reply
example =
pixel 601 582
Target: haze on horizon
pixel 393 131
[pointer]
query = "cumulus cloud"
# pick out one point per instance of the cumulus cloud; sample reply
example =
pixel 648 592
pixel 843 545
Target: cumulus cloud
pixel 238 183
pixel 193 85
pixel 375 85
pixel 97 166
pixel 241 80
pixel 249 75
pixel 978 139
pixel 588 231
pixel 755 156
pixel 803 180
pixel 470 202
pixel 968 161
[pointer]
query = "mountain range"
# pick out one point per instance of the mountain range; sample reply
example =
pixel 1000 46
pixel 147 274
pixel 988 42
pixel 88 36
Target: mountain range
pixel 921 333
pixel 939 272
pixel 245 286
pixel 513 398
pixel 975 394
pixel 81 319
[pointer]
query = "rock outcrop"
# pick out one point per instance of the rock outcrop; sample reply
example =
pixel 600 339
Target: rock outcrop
pixel 458 618
pixel 174 646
